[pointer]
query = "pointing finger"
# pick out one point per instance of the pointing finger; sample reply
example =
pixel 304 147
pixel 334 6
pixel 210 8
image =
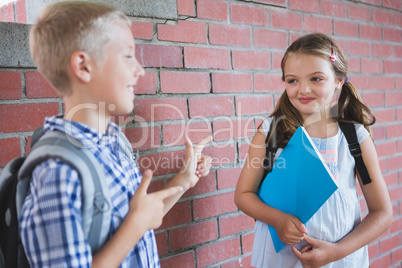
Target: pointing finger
pixel 201 144
pixel 146 180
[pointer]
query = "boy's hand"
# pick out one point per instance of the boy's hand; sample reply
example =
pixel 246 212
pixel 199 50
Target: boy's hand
pixel 195 164
pixel 147 210
pixel 290 230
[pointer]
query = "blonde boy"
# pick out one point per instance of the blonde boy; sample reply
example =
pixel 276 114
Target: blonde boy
pixel 87 52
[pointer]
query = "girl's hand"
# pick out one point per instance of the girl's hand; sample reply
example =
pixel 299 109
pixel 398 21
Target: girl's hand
pixel 290 229
pixel 203 166
pixel 316 254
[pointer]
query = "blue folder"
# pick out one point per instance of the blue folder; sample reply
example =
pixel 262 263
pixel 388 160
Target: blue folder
pixel 299 183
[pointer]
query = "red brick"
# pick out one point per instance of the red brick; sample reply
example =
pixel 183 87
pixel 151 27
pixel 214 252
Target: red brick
pixel 276 62
pixel 221 154
pixel 396 225
pixel 395 163
pixel 245 14
pixel 346 28
pixel 399 114
pixel 383 82
pixel 10 85
pixel 184 82
pixel 256 104
pixel 217 252
pixel 393 98
pixel 212 9
pixel 147 84
pixel 391 34
pixel 387 148
pixel 179 260
pixel 20 11
pixel 359 12
pixel 229 35
pixel 361 48
pixel 230 129
pixel 10 149
pixel 9 14
pixel 293 21
pixel 186 7
pixel 392 67
pixel 384 115
pixel 235 223
pixel 162 163
pixel 247 242
pixel 213 205
pixel 372 66
pixel 382 50
pixel 362 82
pixel 398 51
pixel 391 179
pixel 231 82
pixel 272 2
pixel 25 117
pixel 373 99
pixel 373 249
pixel 217 106
pixel 142 30
pixel 161 242
pixel 143 138
pixel 227 178
pixel 159 56
pixel 382 16
pixel 317 24
pixel 200 57
pixel 179 214
pixel 174 134
pixel 394 4
pixel 396 256
pixel 305 5
pixel 270 38
pixel 184 31
pixel 38 87
pixel 205 185
pixel 370 32
pixel 264 82
pixel 389 244
pixel 333 8
pixel 384 261
pixel 194 234
pixel 158 109
pixel 251 59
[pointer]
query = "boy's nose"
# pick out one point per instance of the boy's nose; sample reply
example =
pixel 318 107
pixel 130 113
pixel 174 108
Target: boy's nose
pixel 138 70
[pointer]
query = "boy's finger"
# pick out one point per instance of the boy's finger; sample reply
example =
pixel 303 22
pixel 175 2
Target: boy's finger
pixel 146 180
pixel 201 144
pixel 166 193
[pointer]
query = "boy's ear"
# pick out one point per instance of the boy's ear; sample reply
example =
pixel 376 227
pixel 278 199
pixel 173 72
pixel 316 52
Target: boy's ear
pixel 81 67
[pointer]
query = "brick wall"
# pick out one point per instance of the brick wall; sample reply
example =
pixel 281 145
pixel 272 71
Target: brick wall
pixel 216 70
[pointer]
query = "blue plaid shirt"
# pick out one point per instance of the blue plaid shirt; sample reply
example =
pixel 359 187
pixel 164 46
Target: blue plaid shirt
pixel 50 222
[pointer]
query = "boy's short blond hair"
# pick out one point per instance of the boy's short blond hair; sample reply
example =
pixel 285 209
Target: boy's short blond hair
pixel 66 27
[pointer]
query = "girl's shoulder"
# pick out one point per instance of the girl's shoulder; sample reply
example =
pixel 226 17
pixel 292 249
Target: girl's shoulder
pixel 266 124
pixel 361 132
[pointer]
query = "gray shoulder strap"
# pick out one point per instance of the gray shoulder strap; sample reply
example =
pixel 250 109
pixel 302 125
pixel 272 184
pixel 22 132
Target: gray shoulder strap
pixel 96 203
pixel 126 147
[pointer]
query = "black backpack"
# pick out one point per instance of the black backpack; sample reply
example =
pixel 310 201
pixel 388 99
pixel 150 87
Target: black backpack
pixel 348 130
pixel 15 182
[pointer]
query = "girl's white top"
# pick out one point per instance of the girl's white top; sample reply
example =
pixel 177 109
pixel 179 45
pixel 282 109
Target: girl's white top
pixel 335 219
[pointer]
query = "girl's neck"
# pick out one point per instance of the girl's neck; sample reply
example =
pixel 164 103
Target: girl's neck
pixel 321 125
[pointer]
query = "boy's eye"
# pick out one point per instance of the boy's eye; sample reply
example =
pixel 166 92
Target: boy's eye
pixel 291 81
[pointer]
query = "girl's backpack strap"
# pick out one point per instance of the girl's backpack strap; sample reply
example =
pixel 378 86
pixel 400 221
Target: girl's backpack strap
pixel 349 131
pixel 96 201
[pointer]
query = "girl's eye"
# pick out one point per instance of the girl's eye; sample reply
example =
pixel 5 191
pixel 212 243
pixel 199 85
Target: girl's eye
pixel 291 81
pixel 316 79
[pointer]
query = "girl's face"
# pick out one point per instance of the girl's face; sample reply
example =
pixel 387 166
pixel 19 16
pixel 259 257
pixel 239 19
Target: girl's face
pixel 310 83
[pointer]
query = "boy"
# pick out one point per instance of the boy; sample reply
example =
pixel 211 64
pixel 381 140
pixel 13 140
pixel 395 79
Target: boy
pixel 86 51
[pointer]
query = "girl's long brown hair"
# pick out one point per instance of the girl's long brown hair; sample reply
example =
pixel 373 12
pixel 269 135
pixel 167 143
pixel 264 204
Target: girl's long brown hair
pixel 350 107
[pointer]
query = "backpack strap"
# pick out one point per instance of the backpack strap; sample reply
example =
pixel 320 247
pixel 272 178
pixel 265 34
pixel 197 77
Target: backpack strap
pixel 349 131
pixel 96 203
pixel 269 153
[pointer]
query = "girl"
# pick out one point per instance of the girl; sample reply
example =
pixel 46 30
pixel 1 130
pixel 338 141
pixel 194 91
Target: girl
pixel 313 69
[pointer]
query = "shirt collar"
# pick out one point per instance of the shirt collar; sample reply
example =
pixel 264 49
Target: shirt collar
pixel 83 133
